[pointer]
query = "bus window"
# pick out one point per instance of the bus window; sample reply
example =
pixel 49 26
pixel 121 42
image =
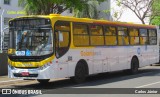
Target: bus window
pixel 152 37
pixel 81 37
pixel 110 31
pixel 143 36
pixel 143 32
pixel 62 30
pixel 123 36
pixel 80 29
pixel 134 36
pixel 96 37
pixel 96 30
pixel 110 36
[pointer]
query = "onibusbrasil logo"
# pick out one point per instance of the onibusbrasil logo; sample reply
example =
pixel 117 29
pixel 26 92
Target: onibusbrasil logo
pixel 20 91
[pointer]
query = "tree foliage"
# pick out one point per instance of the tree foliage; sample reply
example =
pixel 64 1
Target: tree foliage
pixel 155 13
pixel 117 13
pixel 89 9
pixel 44 7
pixel 141 8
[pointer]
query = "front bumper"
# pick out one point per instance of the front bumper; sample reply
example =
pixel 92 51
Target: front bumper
pixel 23 73
pixel 44 72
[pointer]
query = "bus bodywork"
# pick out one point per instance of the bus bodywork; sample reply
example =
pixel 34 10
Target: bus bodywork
pixel 55 45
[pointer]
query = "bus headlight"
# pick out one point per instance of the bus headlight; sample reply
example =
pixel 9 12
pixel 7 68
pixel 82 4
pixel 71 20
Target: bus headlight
pixel 11 66
pixel 44 66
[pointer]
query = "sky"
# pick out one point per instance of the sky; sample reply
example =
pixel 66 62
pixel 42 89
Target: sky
pixel 127 14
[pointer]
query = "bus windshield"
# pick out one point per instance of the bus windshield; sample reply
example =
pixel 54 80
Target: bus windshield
pixel 31 36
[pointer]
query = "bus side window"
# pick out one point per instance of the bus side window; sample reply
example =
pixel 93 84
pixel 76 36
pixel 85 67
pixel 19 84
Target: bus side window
pixel 152 37
pixel 110 35
pixel 134 36
pixel 123 38
pixel 81 37
pixel 143 36
pixel 96 37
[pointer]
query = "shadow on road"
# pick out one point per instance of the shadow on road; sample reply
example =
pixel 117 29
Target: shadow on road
pixel 99 79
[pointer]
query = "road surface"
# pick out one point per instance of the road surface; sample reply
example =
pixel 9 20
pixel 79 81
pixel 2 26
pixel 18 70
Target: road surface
pixel 148 77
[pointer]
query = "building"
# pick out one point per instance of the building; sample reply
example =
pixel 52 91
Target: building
pixel 104 10
pixel 8 9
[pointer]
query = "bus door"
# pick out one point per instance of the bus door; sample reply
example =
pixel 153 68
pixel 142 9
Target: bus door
pixel 62 37
pixel 153 48
pixel 143 50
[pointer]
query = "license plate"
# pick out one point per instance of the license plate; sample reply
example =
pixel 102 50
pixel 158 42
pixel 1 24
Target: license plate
pixel 25 73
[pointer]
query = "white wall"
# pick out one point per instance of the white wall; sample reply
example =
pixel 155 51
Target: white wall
pixel 67 13
pixel 104 6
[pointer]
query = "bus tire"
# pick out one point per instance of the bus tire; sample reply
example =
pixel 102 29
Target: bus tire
pixel 43 81
pixel 134 66
pixel 81 72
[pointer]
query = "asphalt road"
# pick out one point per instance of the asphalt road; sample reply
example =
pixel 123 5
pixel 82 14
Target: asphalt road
pixel 148 77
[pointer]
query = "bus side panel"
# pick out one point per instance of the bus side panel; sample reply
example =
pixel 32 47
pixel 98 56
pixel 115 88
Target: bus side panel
pixel 48 73
pixel 75 56
pixel 153 54
pixel 117 58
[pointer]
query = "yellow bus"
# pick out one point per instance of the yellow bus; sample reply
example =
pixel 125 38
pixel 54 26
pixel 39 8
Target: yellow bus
pixel 55 46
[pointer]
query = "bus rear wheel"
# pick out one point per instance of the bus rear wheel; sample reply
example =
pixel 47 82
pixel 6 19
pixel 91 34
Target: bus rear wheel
pixel 80 73
pixel 43 81
pixel 134 66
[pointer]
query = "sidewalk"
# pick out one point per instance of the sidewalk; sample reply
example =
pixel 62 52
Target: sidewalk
pixel 6 82
pixel 5 79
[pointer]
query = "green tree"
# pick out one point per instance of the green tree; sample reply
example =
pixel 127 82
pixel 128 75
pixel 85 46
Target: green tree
pixel 155 13
pixel 89 9
pixel 44 7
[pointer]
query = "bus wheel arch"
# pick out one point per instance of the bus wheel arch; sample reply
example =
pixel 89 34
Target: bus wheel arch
pixel 134 65
pixel 81 71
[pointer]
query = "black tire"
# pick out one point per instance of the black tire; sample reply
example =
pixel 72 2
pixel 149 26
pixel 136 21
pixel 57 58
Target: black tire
pixel 134 66
pixel 43 81
pixel 81 73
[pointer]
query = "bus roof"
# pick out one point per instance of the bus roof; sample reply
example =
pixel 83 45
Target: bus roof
pixel 94 21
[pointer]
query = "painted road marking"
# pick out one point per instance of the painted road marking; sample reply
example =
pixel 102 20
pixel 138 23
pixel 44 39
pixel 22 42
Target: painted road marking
pixel 148 85
pixel 10 80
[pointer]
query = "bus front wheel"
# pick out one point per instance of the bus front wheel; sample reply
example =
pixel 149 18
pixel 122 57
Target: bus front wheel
pixel 43 81
pixel 80 73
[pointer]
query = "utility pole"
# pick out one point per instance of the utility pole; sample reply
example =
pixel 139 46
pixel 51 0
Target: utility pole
pixel 1 28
